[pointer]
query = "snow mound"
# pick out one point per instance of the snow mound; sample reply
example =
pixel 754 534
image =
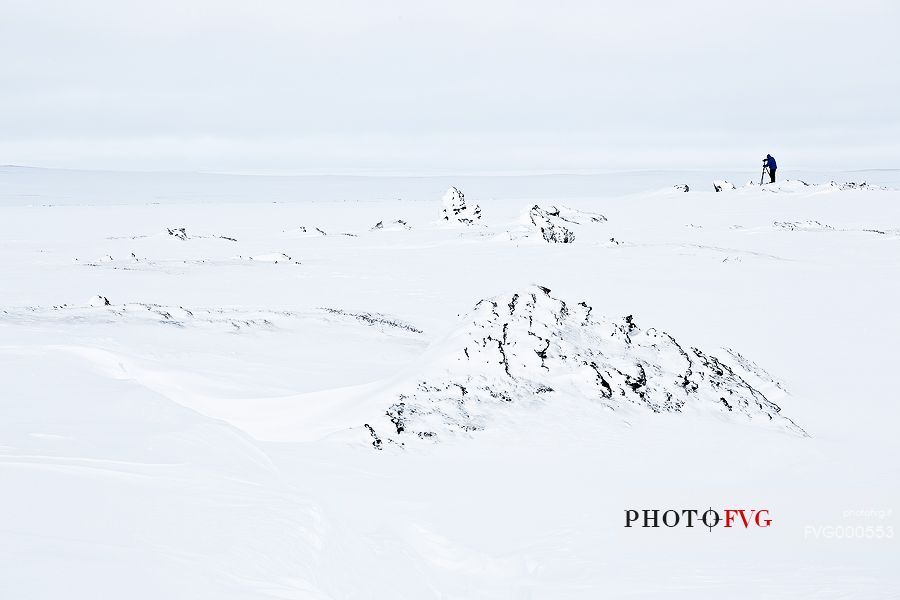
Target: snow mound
pixel 457 210
pixel 529 348
pixel 720 185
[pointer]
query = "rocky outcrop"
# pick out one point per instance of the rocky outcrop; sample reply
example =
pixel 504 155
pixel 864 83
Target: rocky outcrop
pixel 456 210
pixel 548 223
pixel 683 187
pixel 720 185
pixel 530 347
pixel 395 225
pixel 556 224
pixel 99 310
pixel 99 301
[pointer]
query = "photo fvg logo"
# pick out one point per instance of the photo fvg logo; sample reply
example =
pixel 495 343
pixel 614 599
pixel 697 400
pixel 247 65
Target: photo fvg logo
pixel 734 518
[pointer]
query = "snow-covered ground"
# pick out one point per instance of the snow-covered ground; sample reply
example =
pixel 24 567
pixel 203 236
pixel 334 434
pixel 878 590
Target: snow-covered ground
pixel 318 387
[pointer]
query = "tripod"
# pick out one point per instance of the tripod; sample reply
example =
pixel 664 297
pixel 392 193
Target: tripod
pixel 765 168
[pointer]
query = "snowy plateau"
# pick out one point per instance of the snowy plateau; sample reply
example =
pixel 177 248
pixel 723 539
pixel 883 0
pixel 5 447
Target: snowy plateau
pixel 242 387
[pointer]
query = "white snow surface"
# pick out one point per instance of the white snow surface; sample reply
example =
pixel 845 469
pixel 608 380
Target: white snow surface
pixel 187 385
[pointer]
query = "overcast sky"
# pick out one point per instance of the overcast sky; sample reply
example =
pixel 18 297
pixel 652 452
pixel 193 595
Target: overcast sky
pixel 294 85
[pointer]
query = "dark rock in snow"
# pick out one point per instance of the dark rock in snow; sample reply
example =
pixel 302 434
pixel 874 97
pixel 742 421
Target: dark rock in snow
pixel 178 232
pixel 98 301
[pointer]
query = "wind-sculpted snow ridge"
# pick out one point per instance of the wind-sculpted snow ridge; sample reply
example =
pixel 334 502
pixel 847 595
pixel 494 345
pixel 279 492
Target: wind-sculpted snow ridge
pixel 808 225
pixel 456 210
pixel 798 185
pixel 815 226
pixel 274 257
pixel 100 310
pixel 228 319
pixel 318 231
pixel 174 265
pixel 374 319
pixel 530 348
pixel 554 223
